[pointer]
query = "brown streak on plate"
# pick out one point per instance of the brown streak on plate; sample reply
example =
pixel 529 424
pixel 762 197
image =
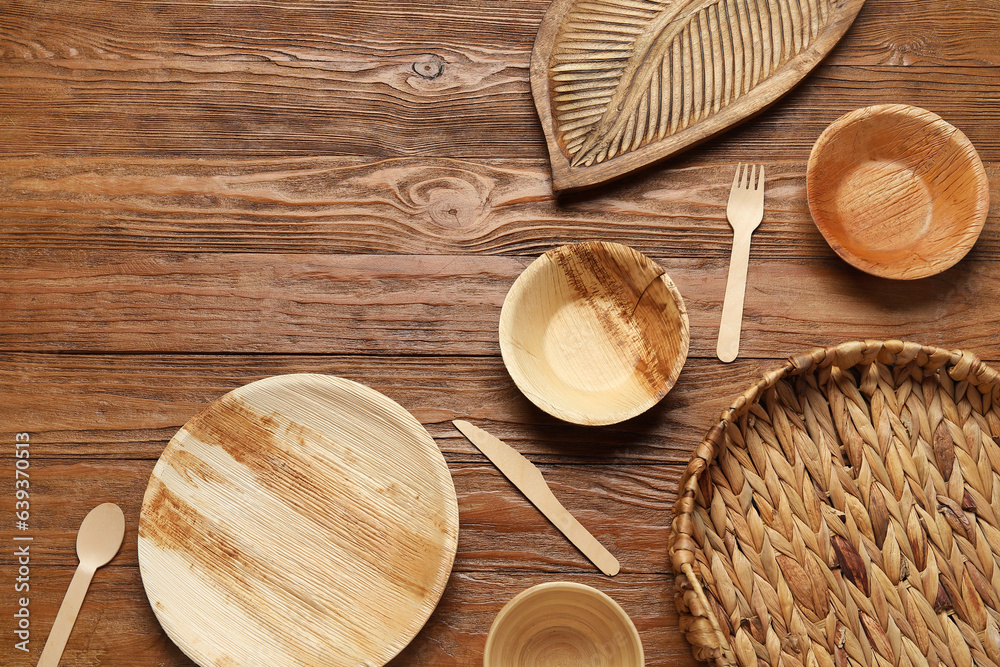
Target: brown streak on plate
pixel 262 443
pixel 306 497
pixel 174 525
pixel 193 468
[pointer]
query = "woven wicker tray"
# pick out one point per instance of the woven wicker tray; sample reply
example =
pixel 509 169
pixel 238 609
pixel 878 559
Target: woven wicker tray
pixel 846 511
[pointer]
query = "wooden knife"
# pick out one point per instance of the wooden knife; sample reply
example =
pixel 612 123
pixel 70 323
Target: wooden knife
pixel 526 477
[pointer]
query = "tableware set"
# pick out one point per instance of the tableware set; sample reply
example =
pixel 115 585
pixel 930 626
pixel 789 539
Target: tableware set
pixel 839 475
pixel 859 482
pixel 317 498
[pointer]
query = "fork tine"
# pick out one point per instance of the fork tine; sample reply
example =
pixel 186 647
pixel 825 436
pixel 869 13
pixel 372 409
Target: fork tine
pixel 760 179
pixel 736 176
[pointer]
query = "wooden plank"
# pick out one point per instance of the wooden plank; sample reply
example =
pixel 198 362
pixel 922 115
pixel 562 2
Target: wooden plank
pixel 103 407
pixel 419 31
pixel 283 30
pixel 117 625
pixel 480 111
pixel 626 507
pixel 948 32
pixel 182 107
pixel 444 305
pixel 406 206
pixel 394 206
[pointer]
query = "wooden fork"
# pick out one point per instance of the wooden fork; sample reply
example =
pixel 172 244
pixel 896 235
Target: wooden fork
pixel 745 211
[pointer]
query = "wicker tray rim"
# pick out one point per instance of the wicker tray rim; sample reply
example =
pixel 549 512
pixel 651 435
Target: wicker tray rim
pixel 961 366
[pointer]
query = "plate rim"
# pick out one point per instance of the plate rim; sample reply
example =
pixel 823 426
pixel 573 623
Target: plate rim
pixel 449 508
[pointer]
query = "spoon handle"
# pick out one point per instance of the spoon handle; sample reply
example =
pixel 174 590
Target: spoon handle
pixel 66 617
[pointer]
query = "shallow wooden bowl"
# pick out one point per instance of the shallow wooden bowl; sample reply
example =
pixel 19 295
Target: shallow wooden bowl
pixel 897 191
pixel 594 333
pixel 561 623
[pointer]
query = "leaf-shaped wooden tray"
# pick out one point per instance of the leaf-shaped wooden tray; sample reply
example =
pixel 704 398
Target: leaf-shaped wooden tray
pixel 620 84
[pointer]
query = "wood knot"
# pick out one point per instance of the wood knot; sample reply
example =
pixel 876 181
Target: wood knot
pixel 452 208
pixel 431 68
pixel 449 199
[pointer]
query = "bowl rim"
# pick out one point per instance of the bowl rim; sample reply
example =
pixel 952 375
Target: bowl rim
pixel 569 586
pixel 528 388
pixel 961 145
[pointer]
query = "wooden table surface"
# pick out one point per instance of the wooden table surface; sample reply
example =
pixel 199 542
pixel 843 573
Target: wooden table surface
pixel 195 195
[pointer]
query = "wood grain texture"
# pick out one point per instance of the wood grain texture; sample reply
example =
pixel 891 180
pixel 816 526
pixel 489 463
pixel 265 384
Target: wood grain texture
pixel 212 104
pixel 115 407
pixel 444 305
pixel 407 206
pixel 420 32
pixel 179 111
pixel 621 85
pixel 306 497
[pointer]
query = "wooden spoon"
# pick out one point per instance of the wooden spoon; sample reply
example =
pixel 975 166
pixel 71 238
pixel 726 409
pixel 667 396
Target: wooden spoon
pixel 97 542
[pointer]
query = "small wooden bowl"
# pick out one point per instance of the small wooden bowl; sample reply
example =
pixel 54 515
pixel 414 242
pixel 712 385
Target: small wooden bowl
pixel 897 191
pixel 561 623
pixel 594 333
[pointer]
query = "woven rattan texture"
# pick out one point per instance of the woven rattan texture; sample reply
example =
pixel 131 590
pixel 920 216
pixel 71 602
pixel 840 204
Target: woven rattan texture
pixel 846 511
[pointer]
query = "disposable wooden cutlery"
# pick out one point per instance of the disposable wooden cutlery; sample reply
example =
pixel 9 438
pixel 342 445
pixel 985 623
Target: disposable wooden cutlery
pixel 745 211
pixel 99 539
pixel 526 477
